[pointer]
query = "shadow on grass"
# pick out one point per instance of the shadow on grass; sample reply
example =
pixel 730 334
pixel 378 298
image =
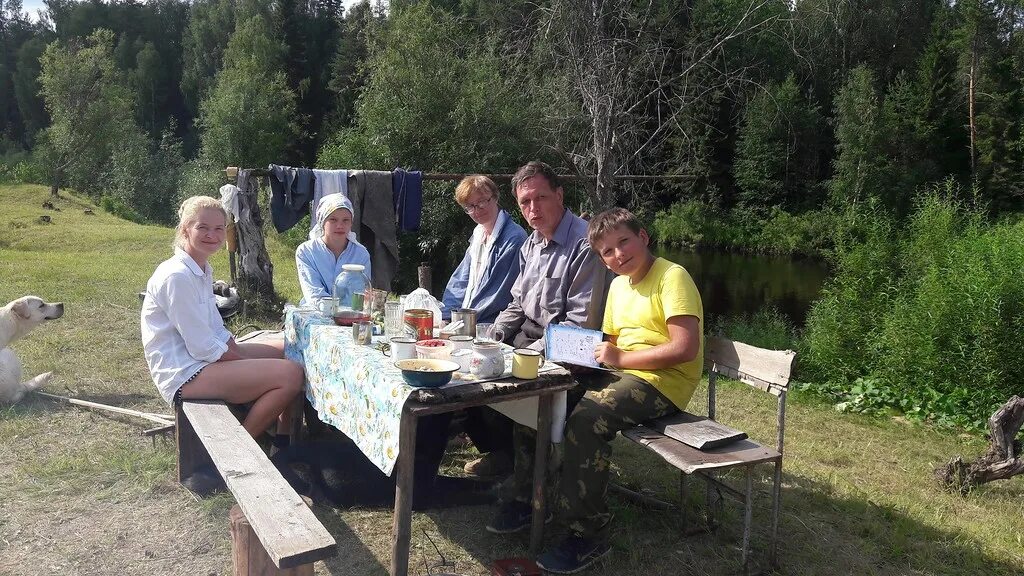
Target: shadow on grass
pixel 820 532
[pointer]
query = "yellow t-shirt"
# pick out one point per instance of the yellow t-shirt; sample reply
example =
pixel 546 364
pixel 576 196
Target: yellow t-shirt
pixel 638 317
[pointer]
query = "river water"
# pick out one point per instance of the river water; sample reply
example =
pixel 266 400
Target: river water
pixel 731 284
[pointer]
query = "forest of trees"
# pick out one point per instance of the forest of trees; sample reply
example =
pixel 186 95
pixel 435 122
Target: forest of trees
pixel 887 135
pixel 769 106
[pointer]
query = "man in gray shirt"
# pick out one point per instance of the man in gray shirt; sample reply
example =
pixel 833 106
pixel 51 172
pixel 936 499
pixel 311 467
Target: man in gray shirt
pixel 557 271
pixel 557 268
pixel 557 275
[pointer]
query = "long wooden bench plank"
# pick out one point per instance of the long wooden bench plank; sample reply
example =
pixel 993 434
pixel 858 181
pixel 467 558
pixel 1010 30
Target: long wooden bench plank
pixel 287 528
pixel 690 460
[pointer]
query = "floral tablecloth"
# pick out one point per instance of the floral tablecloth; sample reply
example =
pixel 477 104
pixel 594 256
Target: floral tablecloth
pixel 360 392
pixel 354 388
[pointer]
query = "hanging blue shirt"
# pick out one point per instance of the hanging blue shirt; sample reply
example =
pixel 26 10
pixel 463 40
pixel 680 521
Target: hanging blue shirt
pixel 318 267
pixel 494 291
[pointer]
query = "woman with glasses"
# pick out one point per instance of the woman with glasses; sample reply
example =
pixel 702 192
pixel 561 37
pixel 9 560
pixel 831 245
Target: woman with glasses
pixel 483 281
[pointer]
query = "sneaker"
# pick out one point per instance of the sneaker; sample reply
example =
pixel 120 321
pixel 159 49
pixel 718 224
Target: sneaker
pixel 512 517
pixel 573 554
pixel 489 465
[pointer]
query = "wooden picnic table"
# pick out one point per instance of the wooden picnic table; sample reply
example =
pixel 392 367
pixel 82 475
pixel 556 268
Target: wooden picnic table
pixel 354 389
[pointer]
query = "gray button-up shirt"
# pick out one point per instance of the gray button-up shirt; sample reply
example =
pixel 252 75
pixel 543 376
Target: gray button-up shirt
pixel 554 284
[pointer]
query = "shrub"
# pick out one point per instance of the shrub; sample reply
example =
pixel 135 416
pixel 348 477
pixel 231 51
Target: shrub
pixel 697 224
pixel 766 328
pixel 925 322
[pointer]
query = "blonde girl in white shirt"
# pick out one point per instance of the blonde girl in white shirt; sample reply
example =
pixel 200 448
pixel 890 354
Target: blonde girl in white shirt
pixel 191 355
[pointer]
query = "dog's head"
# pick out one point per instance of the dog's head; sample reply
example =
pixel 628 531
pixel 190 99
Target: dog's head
pixel 34 310
pixel 24 314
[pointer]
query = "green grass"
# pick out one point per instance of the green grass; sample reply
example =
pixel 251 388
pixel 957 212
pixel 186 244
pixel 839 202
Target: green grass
pixel 84 493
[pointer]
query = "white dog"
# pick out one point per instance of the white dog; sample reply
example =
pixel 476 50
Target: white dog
pixel 16 320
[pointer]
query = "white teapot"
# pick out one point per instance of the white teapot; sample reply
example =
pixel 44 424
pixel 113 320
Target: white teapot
pixel 488 360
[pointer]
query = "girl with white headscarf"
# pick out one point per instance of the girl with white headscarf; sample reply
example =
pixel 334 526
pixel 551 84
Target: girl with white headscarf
pixel 319 260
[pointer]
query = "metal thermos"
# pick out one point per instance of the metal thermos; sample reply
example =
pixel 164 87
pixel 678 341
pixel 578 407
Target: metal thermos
pixel 468 318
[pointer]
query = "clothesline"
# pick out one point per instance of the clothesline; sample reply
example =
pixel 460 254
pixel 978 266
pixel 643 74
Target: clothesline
pixel 455 177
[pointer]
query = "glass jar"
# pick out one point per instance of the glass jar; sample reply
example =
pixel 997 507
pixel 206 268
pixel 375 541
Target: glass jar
pixel 350 292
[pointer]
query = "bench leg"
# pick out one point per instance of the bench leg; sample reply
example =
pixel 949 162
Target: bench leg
pixel 192 454
pixel 684 494
pixel 748 513
pixel 401 529
pixel 709 500
pixel 248 555
pixel 776 493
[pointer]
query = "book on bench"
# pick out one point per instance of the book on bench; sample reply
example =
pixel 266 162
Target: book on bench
pixel 699 432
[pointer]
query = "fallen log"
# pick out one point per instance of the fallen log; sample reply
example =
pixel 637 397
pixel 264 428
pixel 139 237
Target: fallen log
pixel 1002 460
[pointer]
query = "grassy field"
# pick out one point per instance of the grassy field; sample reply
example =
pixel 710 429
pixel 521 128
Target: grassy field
pixel 83 493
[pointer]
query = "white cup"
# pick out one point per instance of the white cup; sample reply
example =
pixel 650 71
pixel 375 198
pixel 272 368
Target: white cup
pixel 464 357
pixel 326 306
pixel 460 342
pixel 402 348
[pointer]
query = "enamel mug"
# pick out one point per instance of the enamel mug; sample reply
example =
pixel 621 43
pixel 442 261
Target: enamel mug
pixel 402 348
pixel 526 362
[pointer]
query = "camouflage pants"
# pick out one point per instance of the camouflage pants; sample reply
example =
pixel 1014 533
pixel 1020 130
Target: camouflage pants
pixel 613 401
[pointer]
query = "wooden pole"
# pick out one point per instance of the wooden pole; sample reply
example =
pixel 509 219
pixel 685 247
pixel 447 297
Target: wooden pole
pixel 455 177
pixel 161 419
pixel 423 276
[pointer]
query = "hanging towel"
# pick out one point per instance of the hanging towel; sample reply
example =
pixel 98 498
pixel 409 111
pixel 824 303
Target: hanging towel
pixel 371 194
pixel 407 193
pixel 291 190
pixel 327 182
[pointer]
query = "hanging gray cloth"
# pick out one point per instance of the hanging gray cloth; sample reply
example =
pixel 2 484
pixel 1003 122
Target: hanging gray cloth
pixel 374 221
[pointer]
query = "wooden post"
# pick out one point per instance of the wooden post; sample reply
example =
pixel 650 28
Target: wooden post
pixel 401 529
pixel 423 276
pixel 247 553
pixel 540 466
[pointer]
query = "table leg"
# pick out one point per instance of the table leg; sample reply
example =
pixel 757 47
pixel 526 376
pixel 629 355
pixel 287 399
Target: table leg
pixel 401 529
pixel 540 466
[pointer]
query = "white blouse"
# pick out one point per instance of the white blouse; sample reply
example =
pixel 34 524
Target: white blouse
pixel 182 330
pixel 480 249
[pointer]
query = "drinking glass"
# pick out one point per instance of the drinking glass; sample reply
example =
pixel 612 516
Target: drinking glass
pixel 392 318
pixel 487 331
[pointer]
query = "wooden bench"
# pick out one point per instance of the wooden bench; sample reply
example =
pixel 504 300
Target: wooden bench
pixel 289 535
pixel 766 370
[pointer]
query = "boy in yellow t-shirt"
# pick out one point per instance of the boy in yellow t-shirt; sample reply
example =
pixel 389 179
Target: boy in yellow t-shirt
pixel 653 324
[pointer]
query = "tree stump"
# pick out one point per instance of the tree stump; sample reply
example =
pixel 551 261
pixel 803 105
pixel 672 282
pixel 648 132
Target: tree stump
pixel 1002 460
pixel 247 553
pixel 256 274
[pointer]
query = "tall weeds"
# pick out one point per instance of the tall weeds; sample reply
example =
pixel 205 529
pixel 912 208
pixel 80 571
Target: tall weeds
pixel 925 318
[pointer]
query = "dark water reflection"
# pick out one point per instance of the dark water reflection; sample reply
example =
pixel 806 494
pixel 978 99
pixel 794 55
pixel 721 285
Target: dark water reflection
pixel 731 284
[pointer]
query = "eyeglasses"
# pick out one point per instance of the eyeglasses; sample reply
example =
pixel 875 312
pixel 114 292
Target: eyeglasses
pixel 478 206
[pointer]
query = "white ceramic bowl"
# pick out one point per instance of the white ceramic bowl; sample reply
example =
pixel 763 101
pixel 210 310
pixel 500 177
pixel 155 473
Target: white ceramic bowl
pixel 434 348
